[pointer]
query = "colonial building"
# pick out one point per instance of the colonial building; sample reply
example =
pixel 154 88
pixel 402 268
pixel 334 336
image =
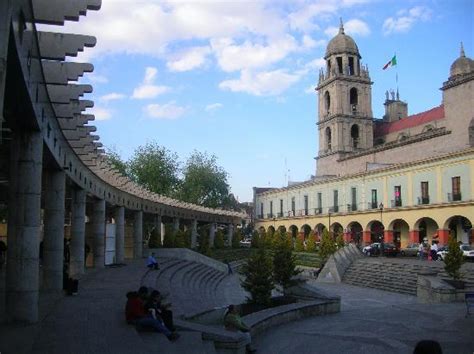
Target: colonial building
pixel 403 178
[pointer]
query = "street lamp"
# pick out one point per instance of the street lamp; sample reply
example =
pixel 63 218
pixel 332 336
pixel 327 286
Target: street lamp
pixel 381 222
pixel 329 226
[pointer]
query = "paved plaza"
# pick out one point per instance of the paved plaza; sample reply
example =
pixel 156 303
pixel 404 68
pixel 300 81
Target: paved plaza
pixel 371 321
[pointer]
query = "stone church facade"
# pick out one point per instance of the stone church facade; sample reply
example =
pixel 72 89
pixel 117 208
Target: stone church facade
pixel 403 178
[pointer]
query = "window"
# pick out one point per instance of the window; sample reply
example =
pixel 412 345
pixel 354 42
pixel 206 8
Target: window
pixel 353 97
pixel 456 188
pixel 398 196
pixel 425 198
pixel 353 199
pixel 327 101
pixel 355 136
pixel 328 138
pixel 335 201
pixel 305 205
pixel 271 209
pixel 339 64
pixel 281 208
pixel 261 211
pixel 320 203
pixel 374 202
pixel 293 205
pixel 351 66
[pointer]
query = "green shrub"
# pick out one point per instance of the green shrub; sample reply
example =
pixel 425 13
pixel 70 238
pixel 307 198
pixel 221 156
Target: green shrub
pixel 340 241
pixel 311 243
pixel 237 238
pixel 327 246
pixel 168 239
pixel 453 259
pixel 179 239
pixel 299 244
pixel 155 239
pixel 219 239
pixel 284 266
pixel 258 277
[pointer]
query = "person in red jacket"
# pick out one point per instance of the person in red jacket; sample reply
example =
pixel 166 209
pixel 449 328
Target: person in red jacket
pixel 135 314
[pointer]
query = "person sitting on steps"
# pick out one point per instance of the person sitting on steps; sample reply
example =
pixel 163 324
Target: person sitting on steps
pixel 160 309
pixel 233 322
pixel 136 314
pixel 152 263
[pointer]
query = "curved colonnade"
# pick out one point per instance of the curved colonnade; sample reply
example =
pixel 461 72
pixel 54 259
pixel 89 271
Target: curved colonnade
pixel 52 166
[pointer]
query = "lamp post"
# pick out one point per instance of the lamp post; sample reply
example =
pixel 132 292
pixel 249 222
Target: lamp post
pixel 382 228
pixel 329 226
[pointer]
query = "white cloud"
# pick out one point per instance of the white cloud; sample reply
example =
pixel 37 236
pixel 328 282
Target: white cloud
pixel 267 83
pixel 147 89
pixel 98 79
pixel 316 64
pixel 213 107
pixel 165 111
pixel 112 97
pixel 233 57
pixel 309 43
pixel 101 113
pixel 406 19
pixel 192 58
pixel 351 28
pixel 310 90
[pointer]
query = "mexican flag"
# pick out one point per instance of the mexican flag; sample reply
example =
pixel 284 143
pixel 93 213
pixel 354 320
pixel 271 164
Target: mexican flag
pixel 392 62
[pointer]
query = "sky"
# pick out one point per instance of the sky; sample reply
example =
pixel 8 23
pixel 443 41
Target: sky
pixel 236 78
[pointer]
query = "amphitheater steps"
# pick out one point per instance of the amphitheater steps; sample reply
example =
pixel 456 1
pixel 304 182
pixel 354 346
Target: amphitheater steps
pixel 395 275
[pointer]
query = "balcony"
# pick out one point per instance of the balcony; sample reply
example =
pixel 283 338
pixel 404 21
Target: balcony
pixel 351 207
pixel 280 214
pixel 454 197
pixel 259 216
pixel 270 216
pixel 423 200
pixel 318 211
pixel 396 203
pixel 373 205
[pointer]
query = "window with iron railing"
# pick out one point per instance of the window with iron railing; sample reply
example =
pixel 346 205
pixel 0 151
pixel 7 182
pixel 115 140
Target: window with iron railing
pixel 425 198
pixel 456 188
pixel 398 196
pixel 280 215
pixel 374 203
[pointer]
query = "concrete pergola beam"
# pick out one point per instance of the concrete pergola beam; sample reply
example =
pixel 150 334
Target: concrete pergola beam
pixel 78 120
pixel 71 109
pixel 55 12
pixel 56 46
pixel 60 73
pixel 66 93
pixel 79 132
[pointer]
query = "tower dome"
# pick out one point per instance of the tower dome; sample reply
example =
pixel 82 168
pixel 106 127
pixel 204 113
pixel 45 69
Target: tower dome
pixel 342 43
pixel 462 65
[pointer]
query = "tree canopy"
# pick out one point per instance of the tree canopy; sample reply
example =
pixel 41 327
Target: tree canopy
pixel 200 181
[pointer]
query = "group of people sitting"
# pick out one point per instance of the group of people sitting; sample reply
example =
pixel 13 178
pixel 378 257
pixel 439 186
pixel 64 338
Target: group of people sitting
pixel 146 311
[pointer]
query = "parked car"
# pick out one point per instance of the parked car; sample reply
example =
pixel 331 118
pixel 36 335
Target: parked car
pixel 246 243
pixel 467 250
pixel 410 250
pixel 374 249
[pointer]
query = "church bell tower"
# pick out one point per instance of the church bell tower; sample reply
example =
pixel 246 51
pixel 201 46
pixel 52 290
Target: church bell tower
pixel 345 123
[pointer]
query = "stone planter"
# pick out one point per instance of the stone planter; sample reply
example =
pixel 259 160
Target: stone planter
pixel 457 284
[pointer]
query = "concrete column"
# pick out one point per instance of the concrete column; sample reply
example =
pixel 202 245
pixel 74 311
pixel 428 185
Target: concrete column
pixel 414 236
pixel 119 234
pixel 24 227
pixel 98 232
pixel 176 224
pixel 53 242
pixel 366 237
pixel 388 236
pixel 138 234
pixel 194 233
pixel 212 235
pixel 78 233
pixel 230 234
pixel 443 236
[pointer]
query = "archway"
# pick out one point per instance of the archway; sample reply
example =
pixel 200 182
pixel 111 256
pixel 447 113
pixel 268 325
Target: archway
pixel 293 230
pixel 376 231
pixel 282 229
pixel 401 232
pixel 327 101
pixel 271 230
pixel 460 227
pixel 353 99
pixel 318 230
pixel 355 232
pixel 337 229
pixel 355 136
pixel 427 229
pixel 306 230
pixel 328 138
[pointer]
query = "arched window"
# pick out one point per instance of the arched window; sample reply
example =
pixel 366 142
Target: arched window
pixel 355 136
pixel 328 138
pixel 353 99
pixel 327 101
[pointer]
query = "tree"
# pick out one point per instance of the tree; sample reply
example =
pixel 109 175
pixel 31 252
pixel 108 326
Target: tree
pixel 204 182
pixel 340 241
pixel 284 262
pixel 203 236
pixel 453 259
pixel 311 244
pixel 155 168
pixel 219 239
pixel 168 239
pixel 299 244
pixel 236 238
pixel 327 246
pixel 258 277
pixel 179 239
pixel 114 159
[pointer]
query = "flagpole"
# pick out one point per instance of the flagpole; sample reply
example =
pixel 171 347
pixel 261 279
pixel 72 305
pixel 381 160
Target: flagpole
pixel 396 73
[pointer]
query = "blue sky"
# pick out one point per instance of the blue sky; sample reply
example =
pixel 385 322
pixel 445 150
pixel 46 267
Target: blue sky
pixel 236 78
